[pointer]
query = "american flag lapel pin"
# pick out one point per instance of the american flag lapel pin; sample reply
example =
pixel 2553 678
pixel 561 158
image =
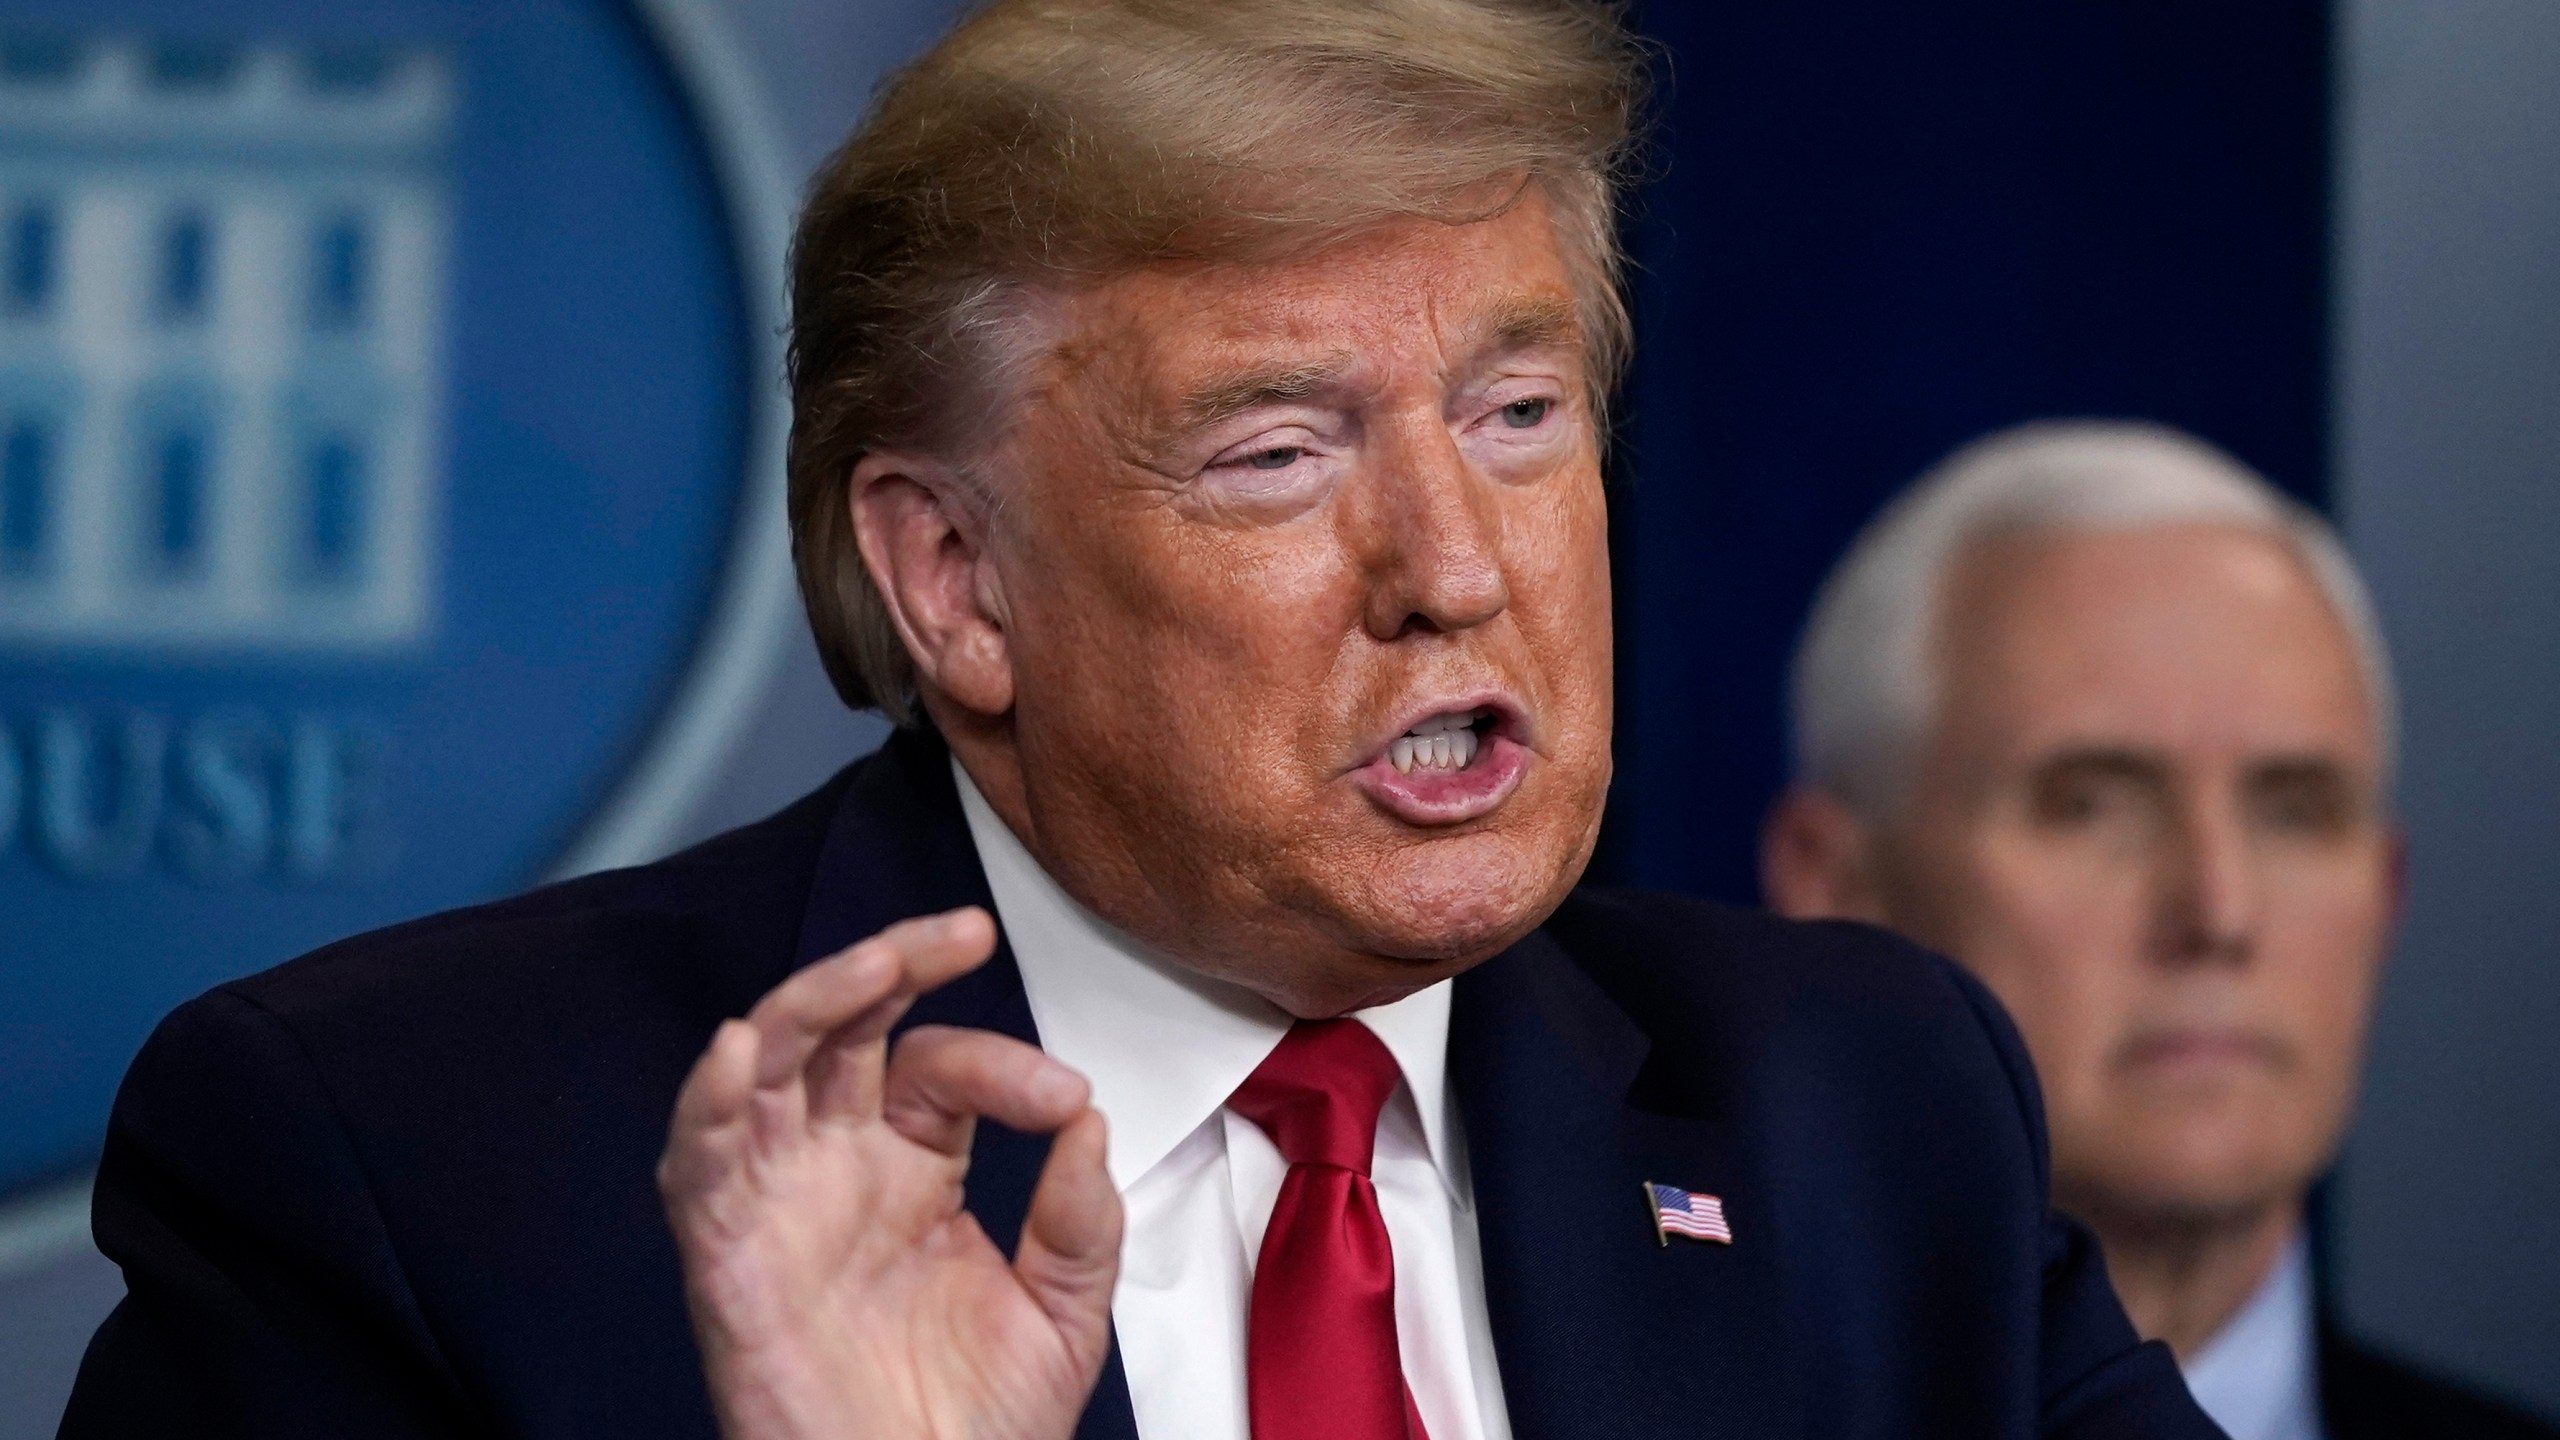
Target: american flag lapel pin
pixel 1678 1212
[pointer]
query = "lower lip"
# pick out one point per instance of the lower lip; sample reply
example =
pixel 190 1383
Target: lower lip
pixel 1429 796
pixel 2199 1053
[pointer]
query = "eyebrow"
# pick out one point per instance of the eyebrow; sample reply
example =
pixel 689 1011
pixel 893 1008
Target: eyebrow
pixel 2144 768
pixel 1529 322
pixel 2114 761
pixel 2303 769
pixel 1227 396
pixel 1515 323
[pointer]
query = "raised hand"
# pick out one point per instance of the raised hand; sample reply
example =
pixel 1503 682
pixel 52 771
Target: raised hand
pixel 838 1288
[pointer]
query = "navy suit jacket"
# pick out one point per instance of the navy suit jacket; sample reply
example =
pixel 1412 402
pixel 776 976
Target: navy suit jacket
pixel 403 1186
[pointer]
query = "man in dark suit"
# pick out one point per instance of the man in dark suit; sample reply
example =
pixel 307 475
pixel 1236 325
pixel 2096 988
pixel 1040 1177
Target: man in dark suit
pixel 1197 450
pixel 2107 718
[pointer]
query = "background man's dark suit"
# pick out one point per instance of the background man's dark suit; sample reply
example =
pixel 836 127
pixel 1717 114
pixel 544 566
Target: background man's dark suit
pixel 403 1186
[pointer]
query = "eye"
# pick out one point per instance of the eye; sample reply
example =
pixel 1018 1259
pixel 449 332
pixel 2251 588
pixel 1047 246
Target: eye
pixel 2068 802
pixel 2309 799
pixel 2093 798
pixel 1525 414
pixel 1280 458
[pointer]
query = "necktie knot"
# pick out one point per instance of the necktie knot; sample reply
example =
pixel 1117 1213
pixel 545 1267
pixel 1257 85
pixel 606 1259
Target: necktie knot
pixel 1318 1094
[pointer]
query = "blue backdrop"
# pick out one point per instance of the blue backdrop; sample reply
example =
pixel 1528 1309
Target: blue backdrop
pixel 521 245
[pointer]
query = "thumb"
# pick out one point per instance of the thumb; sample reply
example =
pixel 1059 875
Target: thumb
pixel 1069 1257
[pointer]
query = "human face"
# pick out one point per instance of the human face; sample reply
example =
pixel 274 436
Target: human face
pixel 2150 820
pixel 1259 526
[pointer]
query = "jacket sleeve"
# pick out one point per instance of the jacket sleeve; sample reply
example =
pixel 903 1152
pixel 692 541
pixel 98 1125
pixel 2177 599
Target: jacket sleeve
pixel 263 1296
pixel 2096 1379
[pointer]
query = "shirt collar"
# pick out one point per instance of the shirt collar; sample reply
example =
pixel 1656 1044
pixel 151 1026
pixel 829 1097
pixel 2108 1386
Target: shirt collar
pixel 1164 1045
pixel 2258 1376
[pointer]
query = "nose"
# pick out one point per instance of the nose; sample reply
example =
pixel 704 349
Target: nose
pixel 2209 888
pixel 1429 534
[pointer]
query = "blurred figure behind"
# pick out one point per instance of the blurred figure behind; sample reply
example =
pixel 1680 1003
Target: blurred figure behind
pixel 2099 713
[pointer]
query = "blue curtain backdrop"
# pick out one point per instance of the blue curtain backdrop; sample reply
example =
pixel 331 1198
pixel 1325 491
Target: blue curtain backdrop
pixel 1878 230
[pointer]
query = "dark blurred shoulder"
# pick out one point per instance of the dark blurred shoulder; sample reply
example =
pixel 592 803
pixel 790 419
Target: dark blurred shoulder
pixel 1735 998
pixel 1749 967
pixel 2368 1395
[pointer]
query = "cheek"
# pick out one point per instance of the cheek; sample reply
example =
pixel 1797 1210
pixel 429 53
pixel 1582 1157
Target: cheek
pixel 1556 567
pixel 1193 615
pixel 2323 940
pixel 1176 682
pixel 2060 943
pixel 1557 528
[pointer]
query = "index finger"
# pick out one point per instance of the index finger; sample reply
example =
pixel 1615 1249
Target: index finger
pixel 855 995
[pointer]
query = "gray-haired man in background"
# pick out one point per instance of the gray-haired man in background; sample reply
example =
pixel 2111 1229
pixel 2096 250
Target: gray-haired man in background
pixel 2098 712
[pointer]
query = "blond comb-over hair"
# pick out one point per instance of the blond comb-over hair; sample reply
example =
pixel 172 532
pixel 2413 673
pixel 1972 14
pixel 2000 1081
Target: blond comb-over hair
pixel 1048 144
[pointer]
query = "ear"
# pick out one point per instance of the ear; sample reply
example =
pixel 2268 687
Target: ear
pixel 1817 860
pixel 923 535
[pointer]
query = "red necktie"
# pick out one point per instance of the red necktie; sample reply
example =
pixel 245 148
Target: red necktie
pixel 1320 1338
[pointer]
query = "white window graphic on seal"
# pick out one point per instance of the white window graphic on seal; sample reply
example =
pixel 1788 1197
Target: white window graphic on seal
pixel 222 293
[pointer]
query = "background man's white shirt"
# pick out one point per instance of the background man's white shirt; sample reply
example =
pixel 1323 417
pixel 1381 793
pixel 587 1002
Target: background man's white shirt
pixel 2259 1376
pixel 1164 1048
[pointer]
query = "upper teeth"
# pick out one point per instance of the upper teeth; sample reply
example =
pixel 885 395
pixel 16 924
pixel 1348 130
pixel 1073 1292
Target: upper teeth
pixel 1443 742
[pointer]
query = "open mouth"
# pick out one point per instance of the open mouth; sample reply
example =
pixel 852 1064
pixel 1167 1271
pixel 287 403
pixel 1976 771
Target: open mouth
pixel 1451 766
pixel 1443 742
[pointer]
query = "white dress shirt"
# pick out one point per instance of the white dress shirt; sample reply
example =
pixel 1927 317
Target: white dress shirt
pixel 1164 1048
pixel 2259 1376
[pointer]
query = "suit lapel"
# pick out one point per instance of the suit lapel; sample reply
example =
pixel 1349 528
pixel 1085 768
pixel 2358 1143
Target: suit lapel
pixel 1602 1329
pixel 900 847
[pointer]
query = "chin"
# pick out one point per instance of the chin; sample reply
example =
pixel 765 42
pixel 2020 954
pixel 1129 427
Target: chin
pixel 1460 898
pixel 2169 1203
pixel 2202 1173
